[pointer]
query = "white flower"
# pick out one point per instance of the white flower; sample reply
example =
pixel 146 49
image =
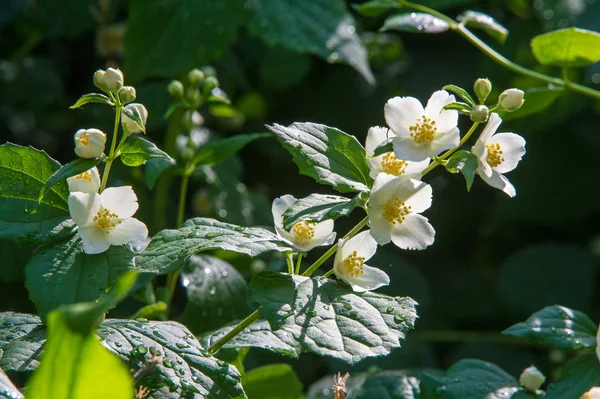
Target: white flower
pixel 303 235
pixel 89 143
pixel 593 393
pixel 511 100
pixel 86 182
pixel 113 79
pixel 394 208
pixel 422 133
pixel 497 154
pixel 388 163
pixel 129 124
pixel 106 219
pixel 532 379
pixel 349 264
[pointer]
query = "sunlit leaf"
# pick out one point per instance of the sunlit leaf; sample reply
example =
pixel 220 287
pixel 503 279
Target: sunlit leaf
pixel 415 22
pixel 464 162
pixel 318 207
pixel 91 98
pixel 137 151
pixel 569 47
pixel 479 20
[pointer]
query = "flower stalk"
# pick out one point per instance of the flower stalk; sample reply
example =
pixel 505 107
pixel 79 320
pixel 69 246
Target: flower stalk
pixel 111 154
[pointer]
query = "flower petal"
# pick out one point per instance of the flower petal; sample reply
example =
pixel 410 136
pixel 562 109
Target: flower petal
pixel 86 182
pixel 405 147
pixel 513 149
pixel 498 181
pixel 446 120
pixel 126 231
pixel 414 170
pixel 94 240
pixel 363 243
pixel 490 128
pixel 444 141
pixel 401 113
pixel 414 232
pixel 416 194
pixel 383 189
pixel 323 233
pixel 121 201
pixel 280 205
pixel 376 136
pixel 83 207
pixel 371 279
pixel 381 229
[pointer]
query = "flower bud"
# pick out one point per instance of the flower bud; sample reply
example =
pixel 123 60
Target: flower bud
pixel 479 114
pixel 129 124
pixel 593 393
pixel 127 94
pixel 86 182
pixel 113 79
pixel 193 96
pixel 176 89
pixel 511 100
pixel 89 143
pixel 99 79
pixel 531 379
pixel 196 77
pixel 210 83
pixel 482 88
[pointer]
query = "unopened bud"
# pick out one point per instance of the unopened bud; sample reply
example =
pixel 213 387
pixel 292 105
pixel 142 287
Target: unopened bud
pixel 89 143
pixel 482 88
pixel 113 79
pixel 86 182
pixel 99 79
pixel 136 123
pixel 196 77
pixel 127 94
pixel 593 393
pixel 532 379
pixel 210 83
pixel 193 96
pixel 479 114
pixel 511 100
pixel 176 89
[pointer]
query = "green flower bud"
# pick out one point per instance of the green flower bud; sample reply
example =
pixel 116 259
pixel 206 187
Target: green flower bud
pixel 127 94
pixel 482 88
pixel 113 79
pixel 479 114
pixel 210 83
pixel 176 89
pixel 141 115
pixel 196 77
pixel 511 100
pixel 193 96
pixel 99 79
pixel 532 379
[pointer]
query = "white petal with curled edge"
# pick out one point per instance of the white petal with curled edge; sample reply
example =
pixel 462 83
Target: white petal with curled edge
pixel 375 137
pixel 498 181
pixel 363 243
pixel 381 229
pixel 490 128
pixel 126 231
pixel 401 113
pixel 419 195
pixel 280 205
pixel 323 233
pixel 512 147
pixel 94 240
pixel 371 279
pixel 121 201
pixel 445 119
pixel 414 232
pixel 83 207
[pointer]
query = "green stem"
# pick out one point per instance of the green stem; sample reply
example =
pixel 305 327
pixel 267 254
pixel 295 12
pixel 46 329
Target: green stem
pixel 298 263
pixel 499 58
pixel 111 158
pixel 214 348
pixel 290 262
pixel 182 197
pixel 329 273
pixel 451 151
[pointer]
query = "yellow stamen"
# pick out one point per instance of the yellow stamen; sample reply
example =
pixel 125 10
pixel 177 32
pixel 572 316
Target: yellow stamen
pixel 84 139
pixel 105 220
pixel 393 165
pixel 304 231
pixel 84 176
pixel 394 211
pixel 494 157
pixel 354 264
pixel 423 131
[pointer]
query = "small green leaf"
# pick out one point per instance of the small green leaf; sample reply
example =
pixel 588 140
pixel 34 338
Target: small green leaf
pixel 326 154
pixel 136 151
pixel 375 8
pixel 155 168
pixel 274 381
pixel 318 207
pixel 536 100
pixel 385 147
pixel 465 163
pixel 7 389
pixel 460 107
pixel 21 339
pixel 558 326
pixel 569 47
pixel 462 93
pixel 415 22
pixel 170 249
pixel 577 377
pixel 478 20
pixel 91 98
pixel 219 150
pixel 73 168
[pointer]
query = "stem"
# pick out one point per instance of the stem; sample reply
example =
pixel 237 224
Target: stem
pixel 236 330
pixel 499 58
pixel 451 151
pixel 110 158
pixel 298 263
pixel 290 262
pixel 182 197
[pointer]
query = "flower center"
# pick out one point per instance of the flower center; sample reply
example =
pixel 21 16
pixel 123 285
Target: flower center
pixel 354 264
pixel 304 231
pixel 106 220
pixel 494 157
pixel 393 165
pixel 394 211
pixel 84 139
pixel 84 176
pixel 423 130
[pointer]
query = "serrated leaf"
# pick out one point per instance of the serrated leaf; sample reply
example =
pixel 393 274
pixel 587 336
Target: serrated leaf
pixel 464 162
pixel 318 207
pixel 155 168
pixel 216 293
pixel 558 326
pixel 73 168
pixel 273 381
pixel 375 8
pixel 479 20
pixel 537 100
pixel 569 47
pixel 385 147
pixel 186 367
pixel 136 151
pixel 219 150
pixel 326 154
pixel 91 98
pixel 415 22
pixel 7 388
pixel 324 28
pixel 327 318
pixel 170 249
pixel 576 377
pixel 62 274
pixel 462 93
pixel 21 339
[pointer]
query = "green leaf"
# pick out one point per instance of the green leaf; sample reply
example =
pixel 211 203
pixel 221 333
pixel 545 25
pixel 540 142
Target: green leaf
pixel 569 47
pixel 168 38
pixel 358 326
pixel 385 147
pixel 135 115
pixel 216 293
pixel 478 20
pixel 21 339
pixel 155 168
pixel 219 150
pixel 170 249
pixel 324 28
pixel 474 379
pixel 73 168
pixel 462 93
pixel 460 107
pixel 274 381
pixel 136 151
pixel 76 365
pixel 318 207
pixel 7 389
pixel 375 8
pixel 536 100
pixel 465 163
pixel 62 274
pixel 186 367
pixel 557 326
pixel 415 22
pixel 91 98
pixel 577 377
pixel 326 154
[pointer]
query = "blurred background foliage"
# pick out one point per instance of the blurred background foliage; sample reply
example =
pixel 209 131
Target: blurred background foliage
pixel 495 260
